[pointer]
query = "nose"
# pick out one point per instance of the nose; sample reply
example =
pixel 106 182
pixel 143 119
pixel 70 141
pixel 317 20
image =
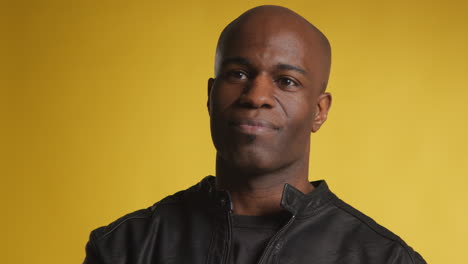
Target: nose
pixel 258 93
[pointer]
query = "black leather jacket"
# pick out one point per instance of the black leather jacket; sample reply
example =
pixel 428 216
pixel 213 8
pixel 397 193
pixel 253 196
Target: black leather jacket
pixel 194 226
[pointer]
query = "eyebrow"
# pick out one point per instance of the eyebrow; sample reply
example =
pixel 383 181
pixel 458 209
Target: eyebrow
pixel 237 60
pixel 288 67
pixel 246 62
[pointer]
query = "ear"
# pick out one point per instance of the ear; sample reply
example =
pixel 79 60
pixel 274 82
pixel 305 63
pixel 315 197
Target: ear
pixel 210 84
pixel 321 111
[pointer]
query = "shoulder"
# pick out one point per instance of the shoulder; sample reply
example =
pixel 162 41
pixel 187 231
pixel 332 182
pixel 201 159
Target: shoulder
pixel 370 231
pixel 120 239
pixel 139 221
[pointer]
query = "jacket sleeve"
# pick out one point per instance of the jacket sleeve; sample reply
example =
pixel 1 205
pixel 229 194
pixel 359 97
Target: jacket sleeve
pixel 407 256
pixel 92 253
pixel 418 258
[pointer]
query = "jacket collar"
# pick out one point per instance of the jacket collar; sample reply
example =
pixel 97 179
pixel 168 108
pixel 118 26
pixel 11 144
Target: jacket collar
pixel 301 204
pixel 293 200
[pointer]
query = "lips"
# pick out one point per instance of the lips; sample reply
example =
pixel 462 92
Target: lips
pixel 253 126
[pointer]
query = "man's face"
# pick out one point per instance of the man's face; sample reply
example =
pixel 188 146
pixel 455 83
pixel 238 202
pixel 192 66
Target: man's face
pixel 263 101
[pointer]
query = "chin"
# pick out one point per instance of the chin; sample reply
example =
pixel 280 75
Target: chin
pixel 252 163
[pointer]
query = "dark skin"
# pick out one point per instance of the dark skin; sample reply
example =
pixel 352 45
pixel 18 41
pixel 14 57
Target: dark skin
pixel 268 95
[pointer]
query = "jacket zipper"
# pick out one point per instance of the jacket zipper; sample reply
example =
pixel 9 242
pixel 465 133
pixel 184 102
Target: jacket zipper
pixel 229 238
pixel 273 240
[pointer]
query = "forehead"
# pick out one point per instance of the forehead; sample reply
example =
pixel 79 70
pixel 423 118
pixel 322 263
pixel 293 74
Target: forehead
pixel 266 45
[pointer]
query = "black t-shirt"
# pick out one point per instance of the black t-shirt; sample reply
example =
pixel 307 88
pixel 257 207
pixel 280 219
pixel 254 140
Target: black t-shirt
pixel 250 236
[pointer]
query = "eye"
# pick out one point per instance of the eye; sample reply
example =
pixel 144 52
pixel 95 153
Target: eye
pixel 236 75
pixel 287 82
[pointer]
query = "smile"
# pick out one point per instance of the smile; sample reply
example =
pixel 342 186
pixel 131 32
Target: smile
pixel 253 126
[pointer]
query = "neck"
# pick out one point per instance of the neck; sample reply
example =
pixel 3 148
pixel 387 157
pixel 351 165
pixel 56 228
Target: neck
pixel 260 193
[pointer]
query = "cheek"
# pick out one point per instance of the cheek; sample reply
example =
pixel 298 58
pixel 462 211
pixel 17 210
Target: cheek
pixel 223 96
pixel 300 114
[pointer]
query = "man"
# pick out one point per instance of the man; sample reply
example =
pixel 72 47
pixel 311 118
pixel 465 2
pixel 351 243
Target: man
pixel 268 95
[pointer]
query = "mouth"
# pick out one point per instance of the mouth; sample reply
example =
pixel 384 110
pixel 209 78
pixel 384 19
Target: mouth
pixel 253 126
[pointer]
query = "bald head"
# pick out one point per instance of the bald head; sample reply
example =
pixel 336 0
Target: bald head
pixel 272 68
pixel 271 22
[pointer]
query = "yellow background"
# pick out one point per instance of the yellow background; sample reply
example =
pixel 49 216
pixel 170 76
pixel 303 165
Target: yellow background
pixel 103 113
